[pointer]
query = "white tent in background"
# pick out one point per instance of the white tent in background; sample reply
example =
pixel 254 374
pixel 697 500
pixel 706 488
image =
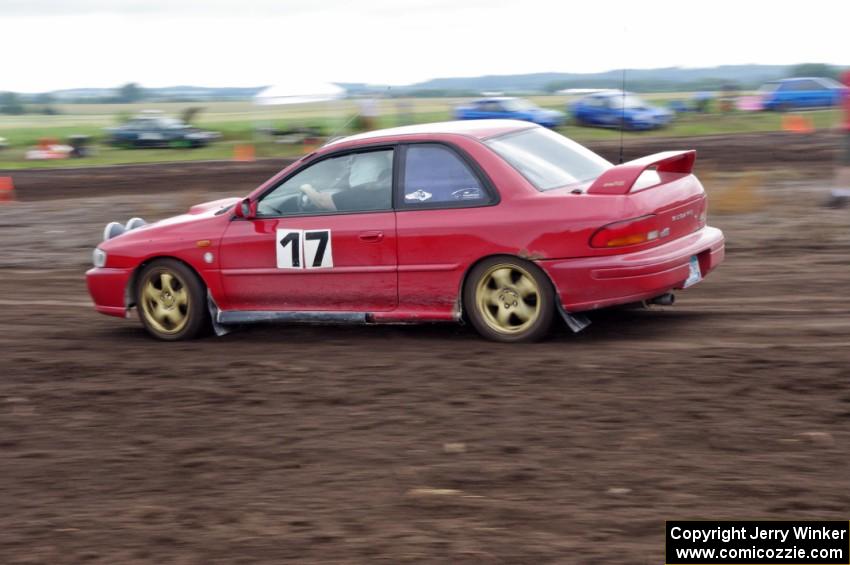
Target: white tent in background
pixel 302 91
pixel 299 93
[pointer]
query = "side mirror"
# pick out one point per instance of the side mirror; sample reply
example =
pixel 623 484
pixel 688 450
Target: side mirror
pixel 245 209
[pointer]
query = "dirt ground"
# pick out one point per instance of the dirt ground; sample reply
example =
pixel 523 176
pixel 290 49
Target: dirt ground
pixel 401 444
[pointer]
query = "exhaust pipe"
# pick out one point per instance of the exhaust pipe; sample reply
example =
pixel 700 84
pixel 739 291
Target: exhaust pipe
pixel 666 299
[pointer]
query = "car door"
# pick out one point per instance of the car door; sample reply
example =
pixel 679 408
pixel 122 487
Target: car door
pixel 783 96
pixel 820 95
pixel 297 256
pixel 583 110
pixel 478 111
pixel 803 94
pixel 492 109
pixel 438 186
pixel 500 111
pixel 150 134
pixel 611 111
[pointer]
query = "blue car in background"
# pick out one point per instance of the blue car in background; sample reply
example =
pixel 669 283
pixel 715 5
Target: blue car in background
pixel 613 108
pixel 799 93
pixel 504 107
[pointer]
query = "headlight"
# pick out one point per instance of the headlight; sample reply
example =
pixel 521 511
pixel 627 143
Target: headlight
pixel 98 257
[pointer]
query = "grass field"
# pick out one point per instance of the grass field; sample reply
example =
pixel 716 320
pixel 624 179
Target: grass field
pixel 237 121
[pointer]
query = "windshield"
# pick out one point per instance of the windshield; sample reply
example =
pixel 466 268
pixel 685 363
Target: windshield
pixel 629 101
pixel 548 160
pixel 518 104
pixel 830 83
pixel 769 87
pixel 170 123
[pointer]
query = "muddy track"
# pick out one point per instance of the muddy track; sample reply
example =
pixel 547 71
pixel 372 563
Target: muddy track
pixel 420 443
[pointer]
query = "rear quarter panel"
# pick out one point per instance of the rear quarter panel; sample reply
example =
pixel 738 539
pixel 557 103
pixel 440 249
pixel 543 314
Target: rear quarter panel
pixel 437 247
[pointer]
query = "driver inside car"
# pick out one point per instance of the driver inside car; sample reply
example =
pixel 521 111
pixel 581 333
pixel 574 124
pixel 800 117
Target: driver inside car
pixel 369 185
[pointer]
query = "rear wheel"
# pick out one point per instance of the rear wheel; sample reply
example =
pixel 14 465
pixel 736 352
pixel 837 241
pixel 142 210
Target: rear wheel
pixel 171 301
pixel 509 300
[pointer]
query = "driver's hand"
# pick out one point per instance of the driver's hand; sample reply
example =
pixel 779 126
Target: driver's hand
pixel 321 200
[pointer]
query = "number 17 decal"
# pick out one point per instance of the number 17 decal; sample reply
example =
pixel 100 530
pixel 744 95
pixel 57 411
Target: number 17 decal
pixel 304 249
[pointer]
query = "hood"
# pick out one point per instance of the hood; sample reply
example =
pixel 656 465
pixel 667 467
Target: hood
pixel 197 212
pixel 136 229
pixel 215 205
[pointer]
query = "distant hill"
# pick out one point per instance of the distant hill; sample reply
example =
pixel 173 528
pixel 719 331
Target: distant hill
pixel 671 78
pixel 168 93
pixel 638 80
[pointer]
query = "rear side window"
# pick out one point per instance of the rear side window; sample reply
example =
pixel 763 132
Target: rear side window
pixel 547 159
pixel 434 175
pixel 805 85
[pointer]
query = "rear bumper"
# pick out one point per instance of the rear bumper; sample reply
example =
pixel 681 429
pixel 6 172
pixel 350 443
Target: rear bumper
pixel 108 288
pixel 598 282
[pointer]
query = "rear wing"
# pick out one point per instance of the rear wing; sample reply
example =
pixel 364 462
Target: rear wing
pixel 621 179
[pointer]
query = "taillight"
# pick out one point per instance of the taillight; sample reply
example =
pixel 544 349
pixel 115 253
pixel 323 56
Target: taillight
pixel 628 232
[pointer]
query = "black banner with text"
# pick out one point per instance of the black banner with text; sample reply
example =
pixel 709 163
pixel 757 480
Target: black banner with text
pixel 758 543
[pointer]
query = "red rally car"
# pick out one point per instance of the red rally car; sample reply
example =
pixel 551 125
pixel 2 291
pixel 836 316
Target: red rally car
pixel 502 223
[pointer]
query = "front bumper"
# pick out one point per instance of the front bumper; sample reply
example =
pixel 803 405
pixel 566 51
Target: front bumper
pixel 598 282
pixel 108 290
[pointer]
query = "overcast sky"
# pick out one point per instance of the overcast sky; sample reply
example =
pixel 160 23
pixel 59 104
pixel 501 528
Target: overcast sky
pixel 52 44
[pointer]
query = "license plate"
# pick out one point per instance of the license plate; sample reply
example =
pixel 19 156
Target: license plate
pixel 695 275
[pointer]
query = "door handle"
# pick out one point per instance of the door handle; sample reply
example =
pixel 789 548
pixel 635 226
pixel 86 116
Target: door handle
pixel 372 236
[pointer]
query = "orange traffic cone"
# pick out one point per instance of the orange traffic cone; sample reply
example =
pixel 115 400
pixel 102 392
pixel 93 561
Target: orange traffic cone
pixel 243 153
pixel 797 124
pixel 7 190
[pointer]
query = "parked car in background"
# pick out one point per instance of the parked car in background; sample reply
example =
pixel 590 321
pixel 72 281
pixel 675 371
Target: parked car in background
pixel 152 129
pixel 614 108
pixel 798 93
pixel 505 107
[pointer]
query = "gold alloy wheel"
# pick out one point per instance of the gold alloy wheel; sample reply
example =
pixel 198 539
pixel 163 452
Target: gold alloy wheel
pixel 508 298
pixel 165 301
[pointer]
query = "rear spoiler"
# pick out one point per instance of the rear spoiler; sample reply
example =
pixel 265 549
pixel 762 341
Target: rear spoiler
pixel 621 179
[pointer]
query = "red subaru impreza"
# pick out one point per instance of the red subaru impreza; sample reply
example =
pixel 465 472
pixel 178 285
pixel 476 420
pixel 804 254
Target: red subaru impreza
pixel 502 223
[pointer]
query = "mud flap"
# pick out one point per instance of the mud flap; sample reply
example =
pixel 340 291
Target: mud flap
pixel 219 329
pixel 576 322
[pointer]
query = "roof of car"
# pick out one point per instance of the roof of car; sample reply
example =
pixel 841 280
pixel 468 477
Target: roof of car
pixel 608 93
pixel 794 79
pixel 479 129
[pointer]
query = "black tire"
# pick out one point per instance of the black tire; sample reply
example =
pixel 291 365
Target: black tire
pixel 183 298
pixel 498 311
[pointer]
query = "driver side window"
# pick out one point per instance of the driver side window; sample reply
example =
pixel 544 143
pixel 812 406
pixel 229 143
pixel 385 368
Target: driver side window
pixel 355 182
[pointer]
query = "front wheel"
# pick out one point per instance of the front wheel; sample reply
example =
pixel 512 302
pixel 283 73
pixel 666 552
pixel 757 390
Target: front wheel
pixel 509 300
pixel 171 301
